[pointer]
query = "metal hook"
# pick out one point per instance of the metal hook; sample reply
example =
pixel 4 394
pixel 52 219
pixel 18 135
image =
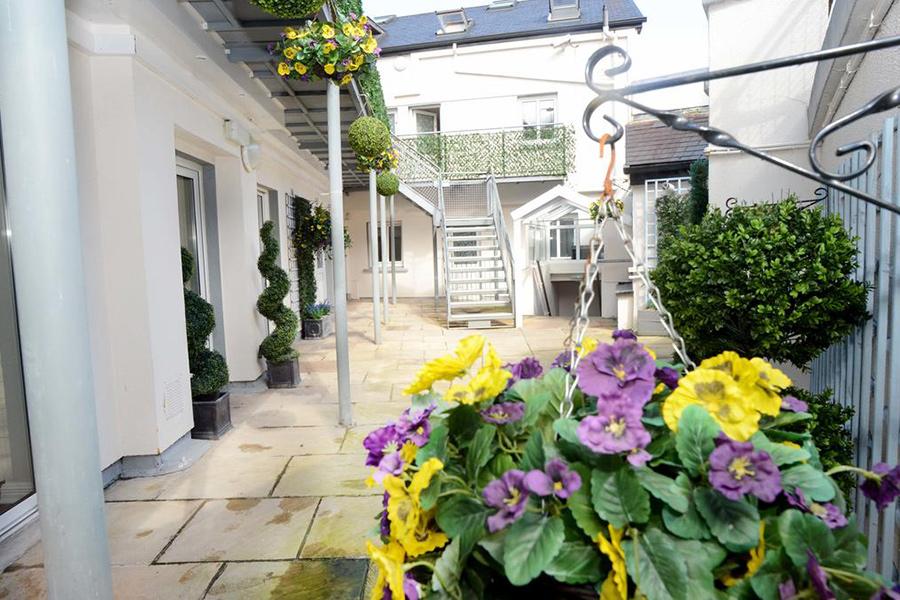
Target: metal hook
pixel 599 55
pixel 592 106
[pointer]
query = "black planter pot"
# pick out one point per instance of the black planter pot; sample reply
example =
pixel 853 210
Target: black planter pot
pixel 212 416
pixel 313 329
pixel 285 374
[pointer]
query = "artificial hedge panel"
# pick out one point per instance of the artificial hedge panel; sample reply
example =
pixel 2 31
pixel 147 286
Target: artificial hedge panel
pixel 290 9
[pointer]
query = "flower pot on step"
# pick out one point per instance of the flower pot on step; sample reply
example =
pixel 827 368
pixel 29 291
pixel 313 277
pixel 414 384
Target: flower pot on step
pixel 212 416
pixel 284 374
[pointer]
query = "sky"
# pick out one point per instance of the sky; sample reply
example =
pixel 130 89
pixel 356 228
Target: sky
pixel 673 39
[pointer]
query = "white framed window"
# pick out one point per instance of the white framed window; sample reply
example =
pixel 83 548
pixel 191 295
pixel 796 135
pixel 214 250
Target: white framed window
pixel 569 237
pixel 428 119
pixel 396 248
pixel 654 189
pixel 191 221
pixel 538 116
pixel 392 121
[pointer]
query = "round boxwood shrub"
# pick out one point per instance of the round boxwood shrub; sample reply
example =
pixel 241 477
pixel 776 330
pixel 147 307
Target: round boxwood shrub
pixel 387 183
pixel 278 345
pixel 290 9
pixel 369 137
pixel 773 281
pixel 209 373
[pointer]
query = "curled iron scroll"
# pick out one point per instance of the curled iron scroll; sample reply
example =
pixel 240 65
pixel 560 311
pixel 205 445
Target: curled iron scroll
pixel 718 137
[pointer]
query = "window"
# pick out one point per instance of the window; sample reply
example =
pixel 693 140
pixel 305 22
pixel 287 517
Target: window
pixel 395 250
pixel 564 9
pixel 569 238
pixel 453 21
pixel 538 116
pixel 427 120
pixel 392 121
pixel 189 186
pixel 653 190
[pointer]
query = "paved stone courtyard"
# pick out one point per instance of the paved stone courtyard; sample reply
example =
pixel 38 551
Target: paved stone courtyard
pixel 278 507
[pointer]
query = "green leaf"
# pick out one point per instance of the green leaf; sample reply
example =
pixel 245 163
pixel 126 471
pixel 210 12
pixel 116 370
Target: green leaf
pixel 447 569
pixel 428 497
pixel 567 429
pixel 781 454
pixel 814 483
pixel 576 563
pixel 801 532
pixel 689 525
pixel 664 488
pixel 787 418
pixel 581 506
pixel 499 465
pixel 480 450
pixel 555 383
pixel 700 559
pixel 654 563
pixel 531 544
pixel 619 498
pixel 494 543
pixel 734 524
pixel 534 394
pixel 463 422
pixel 770 575
pixel 695 438
pixel 533 456
pixel 463 517
pixel 436 446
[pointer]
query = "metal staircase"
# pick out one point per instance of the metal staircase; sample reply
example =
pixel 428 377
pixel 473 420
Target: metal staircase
pixel 478 269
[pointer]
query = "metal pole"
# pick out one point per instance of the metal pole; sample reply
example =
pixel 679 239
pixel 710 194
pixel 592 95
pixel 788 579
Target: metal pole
pixel 384 256
pixel 44 233
pixel 434 246
pixel 338 264
pixel 373 255
pixel 393 256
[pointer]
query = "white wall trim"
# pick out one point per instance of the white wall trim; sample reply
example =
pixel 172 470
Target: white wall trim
pixel 107 39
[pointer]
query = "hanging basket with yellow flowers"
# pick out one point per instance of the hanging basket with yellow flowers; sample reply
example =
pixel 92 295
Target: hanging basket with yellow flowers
pixel 326 50
pixel 386 161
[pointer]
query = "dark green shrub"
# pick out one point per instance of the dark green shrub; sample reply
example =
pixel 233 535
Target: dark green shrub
pixel 304 249
pixel 698 197
pixel 290 9
pixel 387 183
pixel 773 281
pixel 672 212
pixel 278 345
pixel 209 373
pixel 369 136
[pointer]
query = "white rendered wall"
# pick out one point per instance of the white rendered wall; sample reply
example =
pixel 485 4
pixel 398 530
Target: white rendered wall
pixel 133 112
pixel 766 110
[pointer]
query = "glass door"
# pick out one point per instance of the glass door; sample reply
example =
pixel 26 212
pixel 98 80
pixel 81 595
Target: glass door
pixel 17 498
pixel 190 221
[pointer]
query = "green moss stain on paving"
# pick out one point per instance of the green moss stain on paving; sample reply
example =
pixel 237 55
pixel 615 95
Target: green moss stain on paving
pixel 321 580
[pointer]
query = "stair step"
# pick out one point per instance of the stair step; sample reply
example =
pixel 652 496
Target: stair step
pixel 462 303
pixel 459 259
pixel 471 238
pixel 488 316
pixel 481 292
pixel 475 269
pixel 462 221
pixel 469 229
pixel 488 253
pixel 464 243
pixel 479 280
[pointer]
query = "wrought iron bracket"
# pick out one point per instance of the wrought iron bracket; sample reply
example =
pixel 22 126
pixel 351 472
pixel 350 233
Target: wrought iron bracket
pixel 718 137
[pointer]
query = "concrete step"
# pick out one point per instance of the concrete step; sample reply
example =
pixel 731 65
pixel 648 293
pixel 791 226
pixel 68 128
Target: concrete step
pixel 488 316
pixel 482 269
pixel 468 259
pixel 481 292
pixel 476 229
pixel 479 280
pixel 479 303
pixel 472 238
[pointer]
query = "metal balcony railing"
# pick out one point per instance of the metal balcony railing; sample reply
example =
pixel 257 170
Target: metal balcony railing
pixel 541 151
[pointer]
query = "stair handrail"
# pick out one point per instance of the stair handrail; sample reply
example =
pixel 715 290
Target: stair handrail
pixel 506 254
pixel 440 188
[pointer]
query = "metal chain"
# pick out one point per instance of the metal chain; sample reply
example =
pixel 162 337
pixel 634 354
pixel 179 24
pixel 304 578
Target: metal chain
pixel 610 210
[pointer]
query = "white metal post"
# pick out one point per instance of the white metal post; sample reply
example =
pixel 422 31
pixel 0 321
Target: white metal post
pixel 434 244
pixel 393 255
pixel 384 256
pixel 44 230
pixel 338 263
pixel 373 255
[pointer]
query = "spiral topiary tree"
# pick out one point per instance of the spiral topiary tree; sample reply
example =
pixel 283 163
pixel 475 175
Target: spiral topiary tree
pixel 209 373
pixel 387 183
pixel 277 347
pixel 369 137
pixel 290 9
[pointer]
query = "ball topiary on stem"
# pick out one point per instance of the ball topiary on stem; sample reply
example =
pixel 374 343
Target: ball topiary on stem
pixel 387 184
pixel 209 373
pixel 277 346
pixel 290 9
pixel 369 137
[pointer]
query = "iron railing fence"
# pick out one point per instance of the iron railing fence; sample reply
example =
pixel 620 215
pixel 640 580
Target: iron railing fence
pixel 545 151
pixel 864 369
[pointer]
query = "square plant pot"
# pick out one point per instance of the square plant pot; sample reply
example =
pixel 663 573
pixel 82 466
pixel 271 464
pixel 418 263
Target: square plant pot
pixel 285 374
pixel 313 329
pixel 212 416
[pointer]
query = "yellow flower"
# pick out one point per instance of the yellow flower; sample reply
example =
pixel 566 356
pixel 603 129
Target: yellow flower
pixel 460 392
pixel 300 68
pixel 757 556
pixel 363 20
pixel 469 349
pixel 488 383
pixel 329 68
pixel 328 48
pixel 720 395
pixel 492 360
pixel 408 452
pixel 346 79
pixel 412 526
pixel 771 380
pixel 588 345
pixel 348 29
pixel 327 31
pixel 758 379
pixel 291 33
pixel 616 585
pixel 369 45
pixel 283 69
pixel 290 53
pixel 389 560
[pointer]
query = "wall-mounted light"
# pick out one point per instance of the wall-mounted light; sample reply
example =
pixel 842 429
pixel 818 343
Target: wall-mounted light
pixel 250 156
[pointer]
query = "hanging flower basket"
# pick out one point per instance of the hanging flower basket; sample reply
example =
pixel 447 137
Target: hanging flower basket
pixel 386 161
pixel 290 9
pixel 646 483
pixel 326 50
pixel 369 136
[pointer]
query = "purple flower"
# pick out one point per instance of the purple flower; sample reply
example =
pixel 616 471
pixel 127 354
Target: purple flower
pixel 352 16
pixel 615 428
pixel 507 494
pixel 818 577
pixel 624 334
pixel 887 594
pixel 794 404
pixel 737 469
pixel 413 425
pixel 557 479
pixel 380 442
pixel 668 376
pixel 270 47
pixel 623 366
pixel 830 514
pixel 885 489
pixel 787 590
pixel 639 457
pixel 392 464
pixel 503 413
pixel 385 522
pixel 527 368
pixel 563 360
pixel 410 589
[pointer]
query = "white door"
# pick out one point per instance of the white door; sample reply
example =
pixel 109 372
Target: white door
pixel 191 223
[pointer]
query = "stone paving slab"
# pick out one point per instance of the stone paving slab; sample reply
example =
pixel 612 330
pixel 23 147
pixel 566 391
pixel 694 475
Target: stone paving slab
pixel 342 527
pixel 325 475
pixel 337 579
pixel 213 476
pixel 281 441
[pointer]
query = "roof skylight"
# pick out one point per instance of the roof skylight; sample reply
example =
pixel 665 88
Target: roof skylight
pixel 561 10
pixel 453 21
